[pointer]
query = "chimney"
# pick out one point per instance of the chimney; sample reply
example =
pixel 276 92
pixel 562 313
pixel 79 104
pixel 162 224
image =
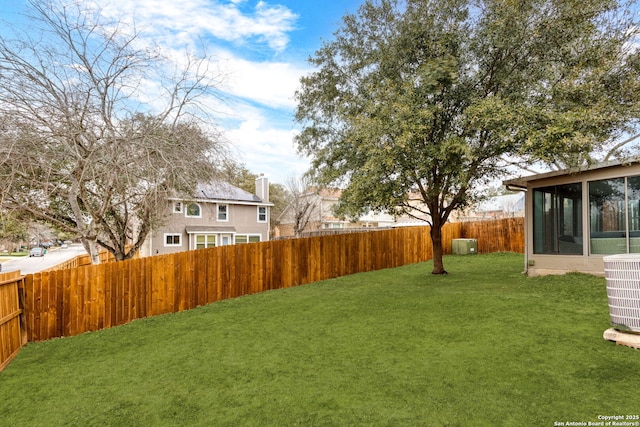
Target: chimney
pixel 262 187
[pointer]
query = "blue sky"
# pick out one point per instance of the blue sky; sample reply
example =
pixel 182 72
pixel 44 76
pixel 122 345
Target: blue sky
pixel 262 46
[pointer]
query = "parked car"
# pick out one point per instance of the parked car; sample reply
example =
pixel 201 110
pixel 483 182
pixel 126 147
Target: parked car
pixel 36 252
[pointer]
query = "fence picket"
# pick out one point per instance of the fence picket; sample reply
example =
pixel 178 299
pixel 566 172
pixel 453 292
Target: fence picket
pixel 11 331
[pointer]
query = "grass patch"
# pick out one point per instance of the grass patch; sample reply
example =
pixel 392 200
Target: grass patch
pixel 482 346
pixel 3 256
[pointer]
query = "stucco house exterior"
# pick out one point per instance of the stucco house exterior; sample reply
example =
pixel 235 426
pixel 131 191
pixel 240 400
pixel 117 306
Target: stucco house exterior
pixel 219 214
pixel 573 218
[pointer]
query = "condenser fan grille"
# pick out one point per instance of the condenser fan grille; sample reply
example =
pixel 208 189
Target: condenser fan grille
pixel 623 290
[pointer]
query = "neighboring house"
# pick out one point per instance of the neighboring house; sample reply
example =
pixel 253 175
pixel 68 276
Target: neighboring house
pixel 497 207
pixel 575 218
pixel 321 215
pixel 219 214
pixel 322 204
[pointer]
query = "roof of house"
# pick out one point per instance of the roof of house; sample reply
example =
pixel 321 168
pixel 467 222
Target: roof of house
pixel 220 191
pixel 522 181
pixel 224 191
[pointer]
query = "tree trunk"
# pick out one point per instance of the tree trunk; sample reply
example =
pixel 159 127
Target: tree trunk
pixel 436 240
pixel 92 249
pixel 119 255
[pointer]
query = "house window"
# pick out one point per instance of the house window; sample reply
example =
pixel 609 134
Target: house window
pixel 205 241
pixel 193 211
pixel 172 240
pixel 247 238
pixel 262 214
pixel 177 207
pixel 614 215
pixel 223 212
pixel 557 219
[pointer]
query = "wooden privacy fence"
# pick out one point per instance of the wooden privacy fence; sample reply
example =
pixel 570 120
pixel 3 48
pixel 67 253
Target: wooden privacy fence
pixel 12 333
pixel 72 301
pixel 68 302
pixel 503 235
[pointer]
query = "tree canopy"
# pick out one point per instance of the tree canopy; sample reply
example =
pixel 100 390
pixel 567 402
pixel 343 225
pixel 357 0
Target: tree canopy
pixel 415 104
pixel 84 144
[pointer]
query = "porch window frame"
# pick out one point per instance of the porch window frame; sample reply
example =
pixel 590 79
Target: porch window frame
pixel 549 233
pixel 628 246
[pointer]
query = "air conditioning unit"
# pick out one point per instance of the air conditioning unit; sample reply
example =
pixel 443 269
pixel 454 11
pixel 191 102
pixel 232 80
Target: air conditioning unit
pixel 623 291
pixel 464 246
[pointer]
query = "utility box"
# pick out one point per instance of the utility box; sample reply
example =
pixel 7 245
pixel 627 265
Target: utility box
pixel 464 246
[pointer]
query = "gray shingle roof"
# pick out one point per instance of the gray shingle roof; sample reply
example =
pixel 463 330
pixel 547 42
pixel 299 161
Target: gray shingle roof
pixel 224 191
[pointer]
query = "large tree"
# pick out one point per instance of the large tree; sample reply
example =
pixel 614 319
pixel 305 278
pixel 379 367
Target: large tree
pixel 416 103
pixel 84 144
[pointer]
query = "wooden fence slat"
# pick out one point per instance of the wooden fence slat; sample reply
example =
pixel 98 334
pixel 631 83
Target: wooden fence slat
pixel 11 324
pixel 52 304
pixel 177 277
pixel 140 277
pixel 210 277
pixel 83 300
pixel 74 301
pixel 267 256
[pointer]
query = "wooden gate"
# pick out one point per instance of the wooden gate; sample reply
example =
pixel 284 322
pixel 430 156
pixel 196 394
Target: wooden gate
pixel 13 335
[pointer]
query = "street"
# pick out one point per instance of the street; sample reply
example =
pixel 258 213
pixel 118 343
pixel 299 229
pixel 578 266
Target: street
pixel 55 256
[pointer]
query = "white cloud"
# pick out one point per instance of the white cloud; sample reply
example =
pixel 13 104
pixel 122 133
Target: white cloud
pixel 180 26
pixel 264 144
pixel 269 83
pixel 265 149
pixel 165 19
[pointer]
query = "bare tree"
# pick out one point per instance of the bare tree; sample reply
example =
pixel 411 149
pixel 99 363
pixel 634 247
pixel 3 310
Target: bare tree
pixel 83 146
pixel 304 203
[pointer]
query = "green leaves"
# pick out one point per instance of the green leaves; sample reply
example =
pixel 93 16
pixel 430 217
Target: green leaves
pixel 433 95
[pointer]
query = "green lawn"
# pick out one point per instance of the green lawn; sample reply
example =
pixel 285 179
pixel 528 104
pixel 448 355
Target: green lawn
pixel 482 346
pixel 8 256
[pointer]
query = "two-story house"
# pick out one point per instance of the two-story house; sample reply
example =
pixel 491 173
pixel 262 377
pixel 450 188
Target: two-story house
pixel 218 214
